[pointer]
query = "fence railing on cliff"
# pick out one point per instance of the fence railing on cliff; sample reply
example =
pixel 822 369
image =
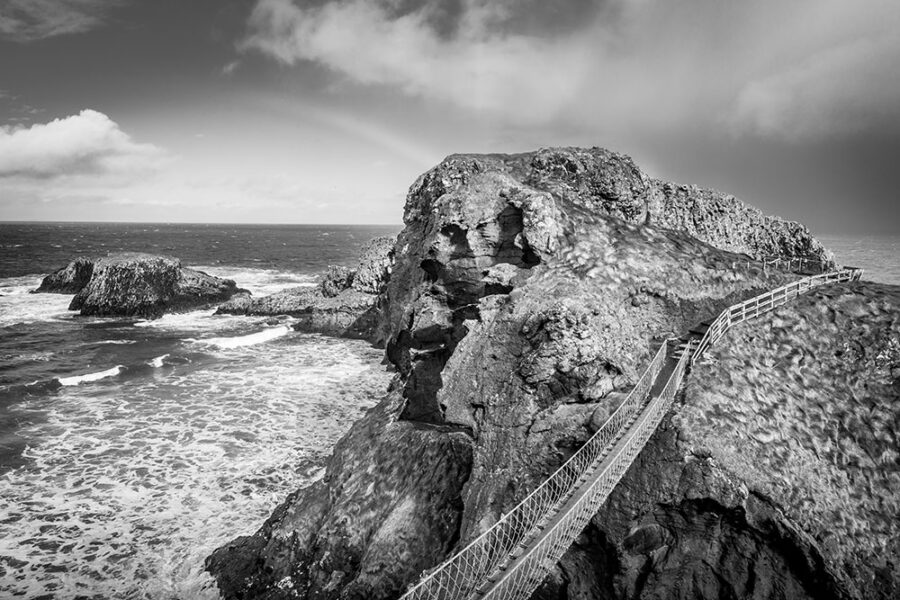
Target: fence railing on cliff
pixel 510 559
pixel 757 305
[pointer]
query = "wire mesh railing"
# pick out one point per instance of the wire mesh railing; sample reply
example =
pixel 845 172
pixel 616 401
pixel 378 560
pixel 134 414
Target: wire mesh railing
pixel 527 572
pixel 464 572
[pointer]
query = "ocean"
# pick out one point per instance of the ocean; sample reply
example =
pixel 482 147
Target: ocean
pixel 130 449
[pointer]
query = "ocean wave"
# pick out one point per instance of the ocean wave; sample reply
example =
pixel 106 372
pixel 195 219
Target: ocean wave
pixel 260 282
pixel 196 320
pixel 169 468
pixel 245 340
pixel 18 306
pixel 158 361
pixel 115 342
pixel 79 379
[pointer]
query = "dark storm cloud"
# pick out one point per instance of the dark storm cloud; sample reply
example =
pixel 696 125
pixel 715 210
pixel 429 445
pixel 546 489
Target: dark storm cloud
pixel 30 20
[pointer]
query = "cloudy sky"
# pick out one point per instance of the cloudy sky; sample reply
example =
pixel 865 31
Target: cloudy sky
pixel 325 111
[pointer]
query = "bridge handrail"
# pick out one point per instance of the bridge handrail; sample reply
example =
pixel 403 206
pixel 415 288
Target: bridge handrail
pixel 742 311
pixel 463 572
pixel 527 574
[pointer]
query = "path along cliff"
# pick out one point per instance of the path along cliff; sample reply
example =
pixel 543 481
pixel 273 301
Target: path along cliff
pixel 527 294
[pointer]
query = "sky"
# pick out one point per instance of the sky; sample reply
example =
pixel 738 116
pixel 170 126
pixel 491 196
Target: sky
pixel 325 111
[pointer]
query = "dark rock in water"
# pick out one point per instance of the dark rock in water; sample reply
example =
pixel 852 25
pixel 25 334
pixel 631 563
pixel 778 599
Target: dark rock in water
pixel 344 303
pixel 144 285
pixel 527 294
pixel 71 279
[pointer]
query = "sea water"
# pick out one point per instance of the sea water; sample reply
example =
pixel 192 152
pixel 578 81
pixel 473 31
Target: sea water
pixel 130 449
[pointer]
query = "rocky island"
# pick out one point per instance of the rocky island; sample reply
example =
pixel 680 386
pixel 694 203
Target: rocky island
pixel 527 294
pixel 134 284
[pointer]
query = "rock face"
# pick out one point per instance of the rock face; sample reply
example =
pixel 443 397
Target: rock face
pixel 527 294
pixel 134 284
pixel 345 303
pixel 71 279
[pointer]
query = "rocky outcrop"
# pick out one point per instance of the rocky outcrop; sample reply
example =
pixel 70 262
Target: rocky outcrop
pixel 344 303
pixel 527 294
pixel 387 508
pixel 71 279
pixel 136 285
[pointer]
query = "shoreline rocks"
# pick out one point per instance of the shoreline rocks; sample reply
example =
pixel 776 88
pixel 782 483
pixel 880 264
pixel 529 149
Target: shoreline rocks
pixel 134 284
pixel 344 304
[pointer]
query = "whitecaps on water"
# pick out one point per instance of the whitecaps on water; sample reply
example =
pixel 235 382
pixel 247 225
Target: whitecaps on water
pixel 90 377
pixel 128 488
pixel 260 282
pixel 251 339
pixel 19 306
pixel 199 320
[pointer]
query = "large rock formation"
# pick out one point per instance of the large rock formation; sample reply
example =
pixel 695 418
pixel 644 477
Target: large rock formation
pixel 528 292
pixel 135 284
pixel 344 303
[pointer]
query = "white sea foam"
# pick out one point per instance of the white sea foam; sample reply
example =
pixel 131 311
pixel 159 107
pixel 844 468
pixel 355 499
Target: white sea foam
pixel 158 361
pixel 115 342
pixel 19 306
pixel 129 488
pixel 266 335
pixel 79 379
pixel 198 320
pixel 260 282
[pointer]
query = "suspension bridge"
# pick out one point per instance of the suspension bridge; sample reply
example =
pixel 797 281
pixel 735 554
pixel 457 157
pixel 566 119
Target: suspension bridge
pixel 511 558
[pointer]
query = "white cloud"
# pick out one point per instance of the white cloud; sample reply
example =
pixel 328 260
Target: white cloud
pixel 478 67
pixel 766 68
pixel 87 144
pixel 30 20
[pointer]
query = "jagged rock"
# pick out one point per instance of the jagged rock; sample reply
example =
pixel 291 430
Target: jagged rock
pixel 374 267
pixel 136 284
pixel 527 294
pixel 71 279
pixel 345 303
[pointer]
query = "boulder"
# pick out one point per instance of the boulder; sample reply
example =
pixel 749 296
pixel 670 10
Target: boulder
pixel 133 284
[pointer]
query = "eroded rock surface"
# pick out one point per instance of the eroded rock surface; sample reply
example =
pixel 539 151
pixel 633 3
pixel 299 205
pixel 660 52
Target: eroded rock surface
pixel 527 294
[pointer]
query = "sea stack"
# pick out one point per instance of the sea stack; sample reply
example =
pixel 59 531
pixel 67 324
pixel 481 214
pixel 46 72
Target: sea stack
pixel 133 284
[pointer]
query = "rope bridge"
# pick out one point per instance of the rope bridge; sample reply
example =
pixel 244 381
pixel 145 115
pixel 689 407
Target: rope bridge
pixel 510 559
